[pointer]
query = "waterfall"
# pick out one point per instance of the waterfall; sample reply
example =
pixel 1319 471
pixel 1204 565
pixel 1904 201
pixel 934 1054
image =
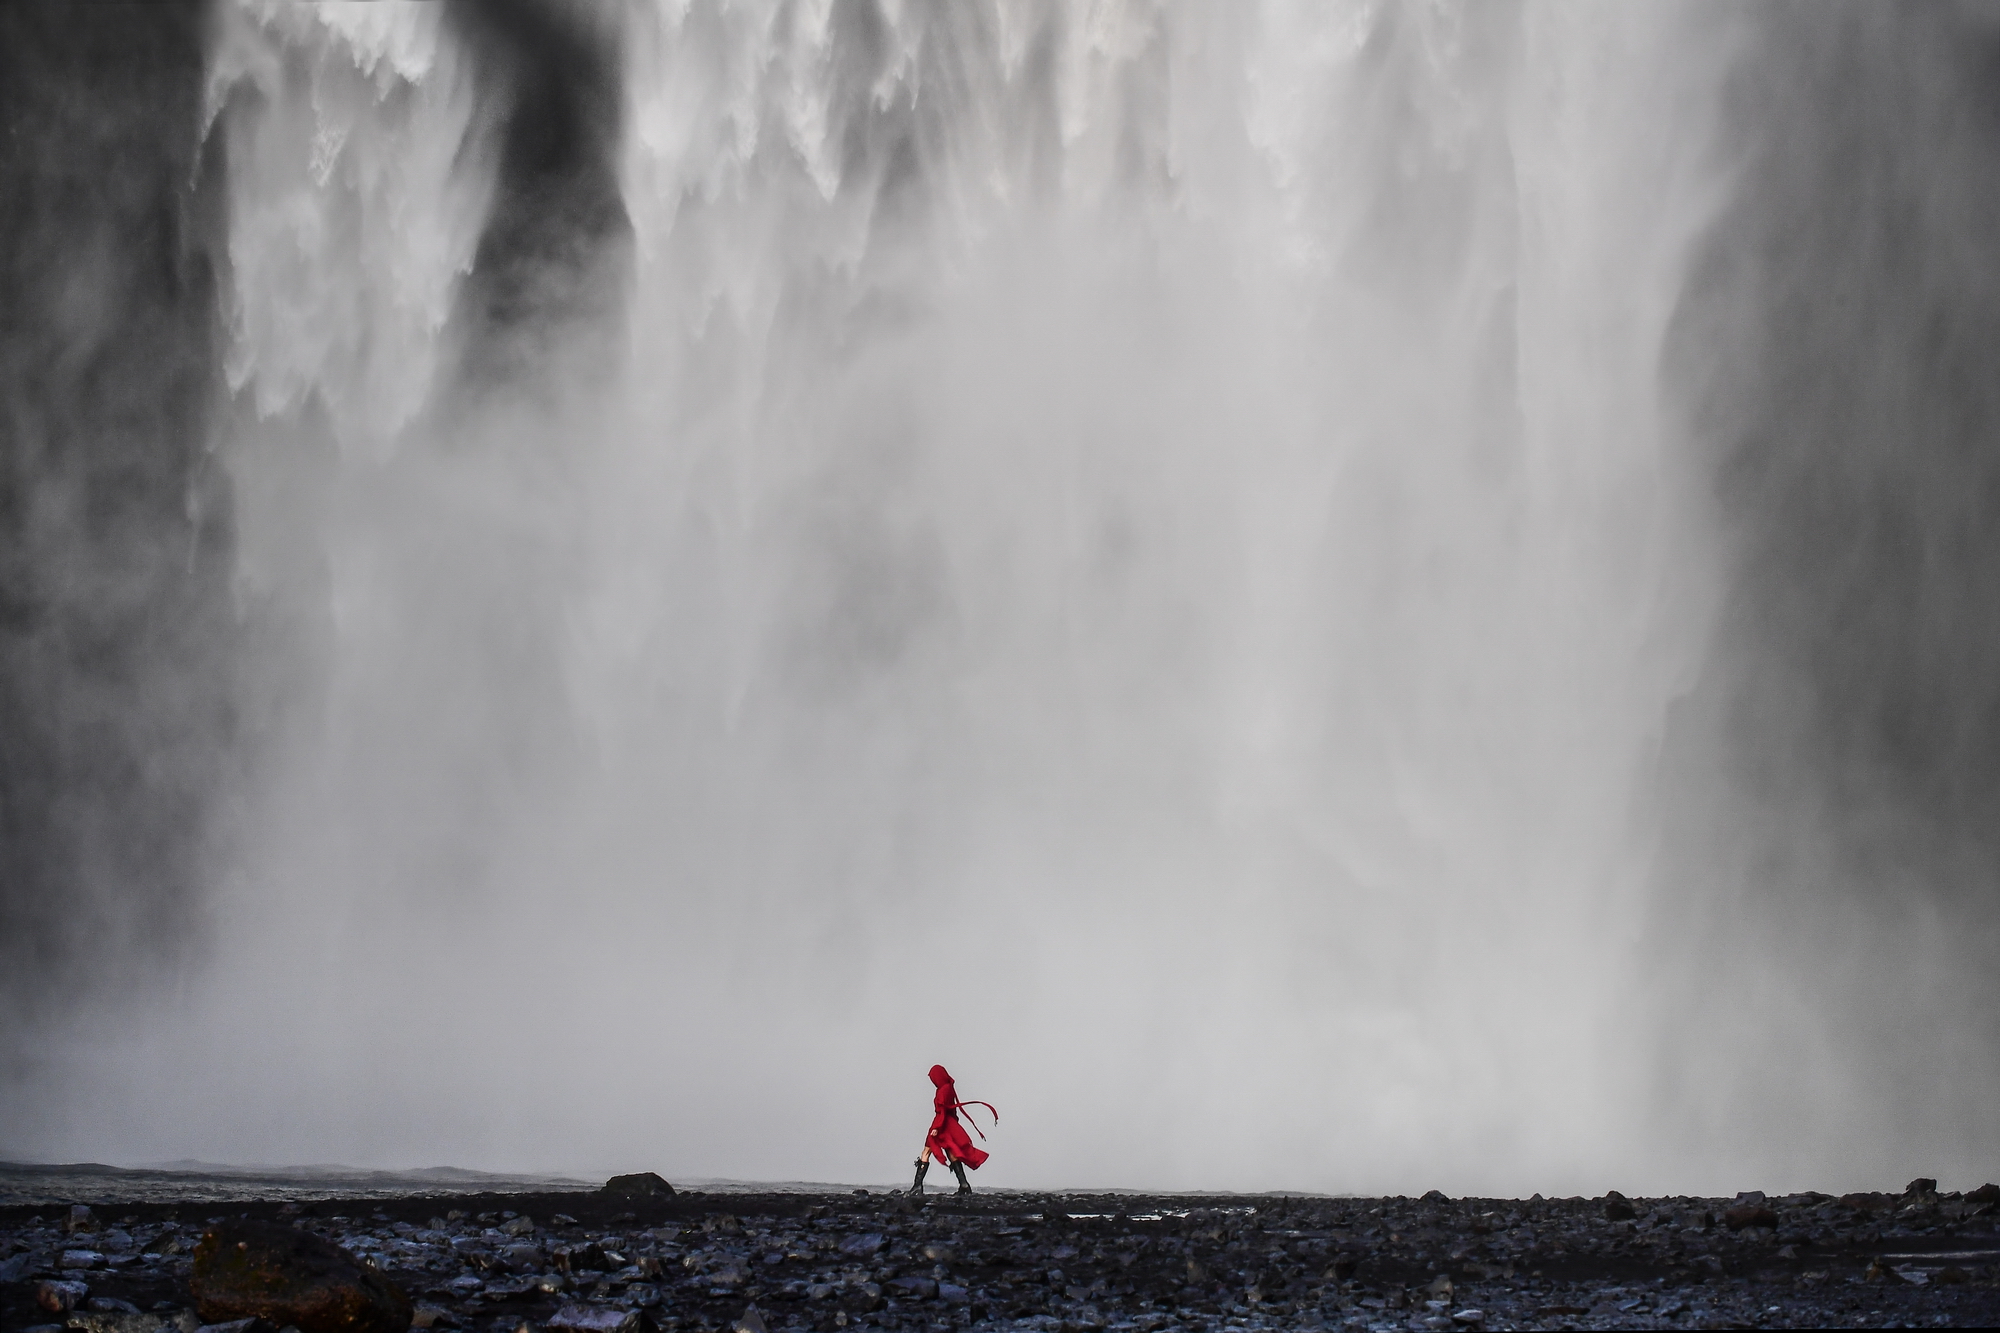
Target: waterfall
pixel 1149 551
pixel 1137 545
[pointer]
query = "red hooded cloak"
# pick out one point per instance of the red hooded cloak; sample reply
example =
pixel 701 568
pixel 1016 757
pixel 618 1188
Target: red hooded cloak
pixel 948 1140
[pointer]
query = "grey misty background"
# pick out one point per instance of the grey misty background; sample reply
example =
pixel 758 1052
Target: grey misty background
pixel 1801 994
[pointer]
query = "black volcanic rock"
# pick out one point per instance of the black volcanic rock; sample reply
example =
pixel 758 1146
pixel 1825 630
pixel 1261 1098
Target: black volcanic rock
pixel 640 1185
pixel 285 1276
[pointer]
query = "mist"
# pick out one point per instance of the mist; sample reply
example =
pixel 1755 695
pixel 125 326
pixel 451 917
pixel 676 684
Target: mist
pixel 1352 597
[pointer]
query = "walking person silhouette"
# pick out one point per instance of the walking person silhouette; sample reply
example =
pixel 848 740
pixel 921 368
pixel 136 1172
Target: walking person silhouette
pixel 947 1139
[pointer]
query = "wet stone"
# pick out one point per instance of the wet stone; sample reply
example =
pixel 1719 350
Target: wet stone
pixel 578 1318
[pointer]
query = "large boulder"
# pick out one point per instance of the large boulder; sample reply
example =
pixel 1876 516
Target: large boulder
pixel 643 1184
pixel 284 1276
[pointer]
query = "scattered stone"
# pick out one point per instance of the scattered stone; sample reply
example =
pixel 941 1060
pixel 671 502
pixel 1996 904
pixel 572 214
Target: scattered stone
pixel 1616 1209
pixel 751 1322
pixel 519 1226
pixel 1984 1194
pixel 1921 1185
pixel 81 1259
pixel 80 1218
pixel 642 1184
pixel 60 1297
pixel 289 1277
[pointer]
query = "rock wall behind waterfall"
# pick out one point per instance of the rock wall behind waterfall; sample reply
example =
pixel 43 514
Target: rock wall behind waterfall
pixel 115 551
pixel 1828 903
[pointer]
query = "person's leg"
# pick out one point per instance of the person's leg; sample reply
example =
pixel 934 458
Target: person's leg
pixel 964 1185
pixel 923 1165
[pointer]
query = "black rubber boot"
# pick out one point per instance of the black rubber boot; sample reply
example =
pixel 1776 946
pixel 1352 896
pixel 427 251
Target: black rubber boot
pixel 922 1167
pixel 964 1185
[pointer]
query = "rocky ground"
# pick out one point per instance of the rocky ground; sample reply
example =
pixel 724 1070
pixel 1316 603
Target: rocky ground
pixel 587 1262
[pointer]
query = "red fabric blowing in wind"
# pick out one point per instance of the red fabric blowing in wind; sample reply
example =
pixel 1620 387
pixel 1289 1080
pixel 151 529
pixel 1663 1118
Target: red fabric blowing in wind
pixel 948 1140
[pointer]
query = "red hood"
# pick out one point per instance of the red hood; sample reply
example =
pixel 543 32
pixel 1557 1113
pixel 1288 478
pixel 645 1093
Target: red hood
pixel 939 1077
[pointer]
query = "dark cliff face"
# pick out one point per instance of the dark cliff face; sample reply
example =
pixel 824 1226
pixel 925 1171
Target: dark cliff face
pixel 556 253
pixel 120 647
pixel 114 525
pixel 1838 352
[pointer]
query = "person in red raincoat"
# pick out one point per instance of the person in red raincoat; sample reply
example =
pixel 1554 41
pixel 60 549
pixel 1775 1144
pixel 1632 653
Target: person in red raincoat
pixel 947 1139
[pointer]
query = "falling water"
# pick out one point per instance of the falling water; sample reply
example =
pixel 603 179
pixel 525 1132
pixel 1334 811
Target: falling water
pixel 1142 549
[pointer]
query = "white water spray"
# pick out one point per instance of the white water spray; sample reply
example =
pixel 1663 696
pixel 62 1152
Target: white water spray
pixel 1135 549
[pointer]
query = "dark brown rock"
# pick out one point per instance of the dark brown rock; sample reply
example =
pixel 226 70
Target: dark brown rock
pixel 286 1276
pixel 1984 1194
pixel 1749 1215
pixel 1921 1185
pixel 1617 1208
pixel 641 1185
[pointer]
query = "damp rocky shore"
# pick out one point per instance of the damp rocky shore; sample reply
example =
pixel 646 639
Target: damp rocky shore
pixel 642 1259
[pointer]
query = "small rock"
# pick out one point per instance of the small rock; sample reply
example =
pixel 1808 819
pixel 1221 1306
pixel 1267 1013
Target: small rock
pixel 639 1185
pixel 563 1220
pixel 81 1259
pixel 1921 1185
pixel 1617 1210
pixel 109 1305
pixel 116 1321
pixel 576 1318
pixel 251 1325
pixel 952 1294
pixel 1434 1196
pixel 80 1218
pixel 13 1270
pixel 1951 1276
pixel 1750 1198
pixel 1984 1194
pixel 289 1277
pixel 861 1246
pixel 579 1258
pixel 920 1287
pixel 521 1258
pixel 1749 1215
pixel 1469 1318
pixel 519 1226
pixel 819 1291
pixel 1440 1289
pixel 60 1297
pixel 431 1316
pixel 751 1322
